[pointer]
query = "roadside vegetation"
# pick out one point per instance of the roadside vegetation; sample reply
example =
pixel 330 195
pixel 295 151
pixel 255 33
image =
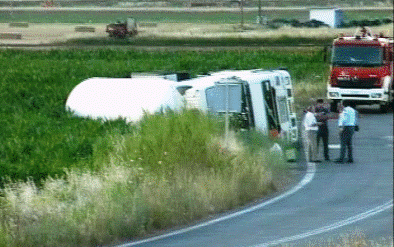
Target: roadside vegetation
pixel 173 170
pixel 353 239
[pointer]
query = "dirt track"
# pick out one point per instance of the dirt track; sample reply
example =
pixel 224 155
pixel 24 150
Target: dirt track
pixel 37 34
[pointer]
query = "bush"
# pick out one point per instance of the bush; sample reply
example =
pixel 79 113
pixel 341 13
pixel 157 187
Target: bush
pixel 276 23
pixel 365 22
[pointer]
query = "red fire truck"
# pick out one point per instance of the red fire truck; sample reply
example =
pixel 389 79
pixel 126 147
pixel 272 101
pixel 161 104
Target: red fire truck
pixel 362 70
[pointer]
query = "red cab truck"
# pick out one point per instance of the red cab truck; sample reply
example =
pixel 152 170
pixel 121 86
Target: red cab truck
pixel 362 70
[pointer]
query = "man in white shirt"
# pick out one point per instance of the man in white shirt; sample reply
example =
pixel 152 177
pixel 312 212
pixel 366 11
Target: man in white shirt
pixel 310 134
pixel 347 123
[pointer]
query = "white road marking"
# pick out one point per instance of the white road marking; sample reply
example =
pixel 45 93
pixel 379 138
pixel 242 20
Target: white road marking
pixel 334 146
pixel 336 225
pixel 388 138
pixel 310 173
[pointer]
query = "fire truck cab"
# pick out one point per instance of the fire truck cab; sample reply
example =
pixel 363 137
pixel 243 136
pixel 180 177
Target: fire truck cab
pixel 362 70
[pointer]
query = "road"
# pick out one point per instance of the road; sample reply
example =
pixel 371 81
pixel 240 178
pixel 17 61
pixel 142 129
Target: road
pixel 332 199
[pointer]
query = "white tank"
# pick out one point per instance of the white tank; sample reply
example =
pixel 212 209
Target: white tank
pixel 111 98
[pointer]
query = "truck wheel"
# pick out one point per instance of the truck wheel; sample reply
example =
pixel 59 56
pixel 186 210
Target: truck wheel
pixel 334 106
pixel 385 108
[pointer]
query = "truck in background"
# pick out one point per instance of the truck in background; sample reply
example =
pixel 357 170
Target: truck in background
pixel 362 70
pixel 122 29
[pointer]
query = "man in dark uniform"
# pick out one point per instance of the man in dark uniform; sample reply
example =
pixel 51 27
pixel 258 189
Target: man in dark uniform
pixel 322 115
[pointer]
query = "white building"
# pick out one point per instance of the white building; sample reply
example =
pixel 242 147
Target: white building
pixel 331 17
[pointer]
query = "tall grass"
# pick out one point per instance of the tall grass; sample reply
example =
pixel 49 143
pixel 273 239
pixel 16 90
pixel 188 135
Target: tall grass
pixel 170 172
pixel 353 239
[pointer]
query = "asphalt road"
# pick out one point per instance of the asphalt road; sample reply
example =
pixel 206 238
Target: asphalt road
pixel 331 200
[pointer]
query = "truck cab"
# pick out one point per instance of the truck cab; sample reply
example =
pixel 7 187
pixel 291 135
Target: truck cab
pixel 263 100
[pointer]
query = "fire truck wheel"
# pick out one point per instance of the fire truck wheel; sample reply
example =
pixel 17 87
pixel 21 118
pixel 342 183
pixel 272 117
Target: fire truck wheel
pixel 385 107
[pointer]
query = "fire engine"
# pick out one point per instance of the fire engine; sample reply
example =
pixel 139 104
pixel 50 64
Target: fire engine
pixel 362 70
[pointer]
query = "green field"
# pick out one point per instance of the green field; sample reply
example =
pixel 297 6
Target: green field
pixel 106 16
pixel 109 17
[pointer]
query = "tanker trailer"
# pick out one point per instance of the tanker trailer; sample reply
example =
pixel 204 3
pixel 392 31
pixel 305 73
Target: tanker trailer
pixel 128 98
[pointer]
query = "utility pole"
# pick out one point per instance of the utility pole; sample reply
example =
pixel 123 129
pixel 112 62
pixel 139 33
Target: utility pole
pixel 227 117
pixel 242 13
pixel 260 14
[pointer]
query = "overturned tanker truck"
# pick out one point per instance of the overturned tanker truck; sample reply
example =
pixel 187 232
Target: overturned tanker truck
pixel 263 100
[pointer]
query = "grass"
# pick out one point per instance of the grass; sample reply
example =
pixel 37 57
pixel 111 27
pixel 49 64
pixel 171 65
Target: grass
pixel 203 42
pixel 285 36
pixel 175 16
pixel 172 171
pixel 354 239
pixel 141 16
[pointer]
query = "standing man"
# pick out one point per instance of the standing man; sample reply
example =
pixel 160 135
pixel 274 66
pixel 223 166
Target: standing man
pixel 310 127
pixel 322 115
pixel 347 123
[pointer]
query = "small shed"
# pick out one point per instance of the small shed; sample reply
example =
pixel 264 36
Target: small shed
pixel 331 17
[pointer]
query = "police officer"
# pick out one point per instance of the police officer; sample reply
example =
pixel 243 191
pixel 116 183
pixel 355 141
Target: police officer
pixel 347 123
